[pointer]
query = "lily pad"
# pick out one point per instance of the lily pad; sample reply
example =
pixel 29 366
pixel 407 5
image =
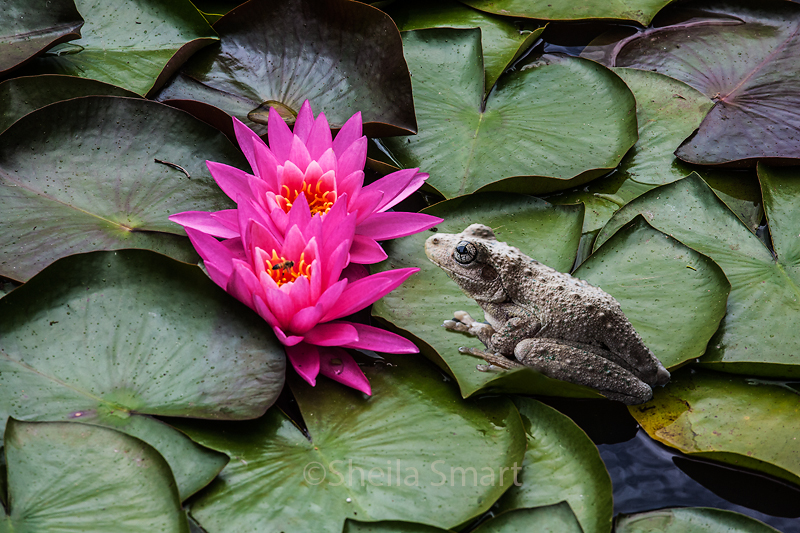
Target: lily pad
pixel 29 93
pixel 352 526
pixel 674 296
pixel 135 44
pixel 504 39
pixel 557 518
pixel 342 56
pixel 137 334
pixel 561 464
pixel 759 333
pixel 667 111
pixel 552 124
pixel 691 520
pixel 80 478
pixel 734 419
pixel 741 55
pixel 641 11
pixel 84 175
pixel 419 306
pixel 29 29
pixel 412 449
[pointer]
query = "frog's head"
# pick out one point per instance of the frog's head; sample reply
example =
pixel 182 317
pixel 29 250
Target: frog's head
pixel 469 258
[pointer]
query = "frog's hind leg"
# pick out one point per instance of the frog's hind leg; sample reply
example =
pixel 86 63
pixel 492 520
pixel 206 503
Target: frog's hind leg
pixel 498 360
pixel 583 365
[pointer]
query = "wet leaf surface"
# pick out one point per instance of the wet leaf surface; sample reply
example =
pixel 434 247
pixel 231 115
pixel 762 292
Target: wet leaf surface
pixel 556 518
pixel 29 30
pixel 138 334
pixel 758 335
pixel 561 464
pixel 29 93
pixel 641 11
pixel 120 480
pixel 135 44
pixel 342 56
pixel 743 421
pixel 503 39
pixel 742 56
pixel 353 441
pixel 690 520
pixel 81 175
pixel 551 124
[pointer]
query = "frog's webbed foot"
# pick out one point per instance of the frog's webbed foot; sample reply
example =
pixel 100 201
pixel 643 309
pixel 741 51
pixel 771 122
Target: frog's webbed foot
pixel 577 364
pixel 464 323
pixel 496 360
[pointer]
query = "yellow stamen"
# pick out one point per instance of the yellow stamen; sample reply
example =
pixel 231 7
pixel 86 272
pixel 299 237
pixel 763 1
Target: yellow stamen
pixel 283 270
pixel 319 201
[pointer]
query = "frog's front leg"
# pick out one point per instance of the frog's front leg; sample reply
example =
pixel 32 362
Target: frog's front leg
pixel 464 323
pixel 583 366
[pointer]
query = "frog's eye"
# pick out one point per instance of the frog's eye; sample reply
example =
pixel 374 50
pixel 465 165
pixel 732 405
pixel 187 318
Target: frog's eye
pixel 465 252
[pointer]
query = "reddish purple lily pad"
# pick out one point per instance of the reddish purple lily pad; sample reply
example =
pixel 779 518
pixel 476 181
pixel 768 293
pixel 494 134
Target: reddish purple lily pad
pixel 744 57
pixel 342 56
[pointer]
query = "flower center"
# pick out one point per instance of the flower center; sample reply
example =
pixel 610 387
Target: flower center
pixel 319 200
pixel 284 270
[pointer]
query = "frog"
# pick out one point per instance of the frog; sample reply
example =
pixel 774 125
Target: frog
pixel 544 319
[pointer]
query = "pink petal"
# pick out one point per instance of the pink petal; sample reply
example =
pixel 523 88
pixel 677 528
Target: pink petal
pixel 300 213
pixel 264 312
pixel 340 366
pixel 305 319
pixel 228 218
pixel 330 296
pixel 294 245
pixel 354 272
pixel 379 340
pixel 243 284
pixel 281 306
pixel 335 263
pixel 394 224
pixel 248 141
pixel 350 132
pixel 305 360
pixel 213 251
pixel 366 204
pixel 365 291
pixel 304 122
pixel 319 140
pixel 327 161
pixel 331 334
pixel 205 222
pixel 366 251
pixel 351 184
pixel 353 158
pixel 279 135
pixel 267 166
pixel 290 340
pixel 397 186
pixel 231 180
pixel 298 154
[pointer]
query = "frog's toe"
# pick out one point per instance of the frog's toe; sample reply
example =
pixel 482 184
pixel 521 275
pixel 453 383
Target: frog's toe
pixel 454 325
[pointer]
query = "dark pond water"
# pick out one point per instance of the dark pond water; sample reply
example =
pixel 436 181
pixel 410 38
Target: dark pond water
pixel 647 475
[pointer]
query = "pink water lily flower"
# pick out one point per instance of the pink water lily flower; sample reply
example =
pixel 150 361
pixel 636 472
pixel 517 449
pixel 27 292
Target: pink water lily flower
pixel 308 163
pixel 298 284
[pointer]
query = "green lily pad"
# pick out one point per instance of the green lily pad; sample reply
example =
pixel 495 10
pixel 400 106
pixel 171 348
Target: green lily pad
pixel 557 518
pixel 504 39
pixel 667 111
pixel 135 44
pixel 561 464
pixel 342 56
pixel 82 175
pixel 29 93
pixel 691 520
pixel 734 419
pixel 412 449
pixel 29 29
pixel 109 337
pixel 353 526
pixel 741 55
pixel 80 478
pixel 641 11
pixel 213 10
pixel 759 333
pixel 551 124
pixel 674 296
pixel 419 306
